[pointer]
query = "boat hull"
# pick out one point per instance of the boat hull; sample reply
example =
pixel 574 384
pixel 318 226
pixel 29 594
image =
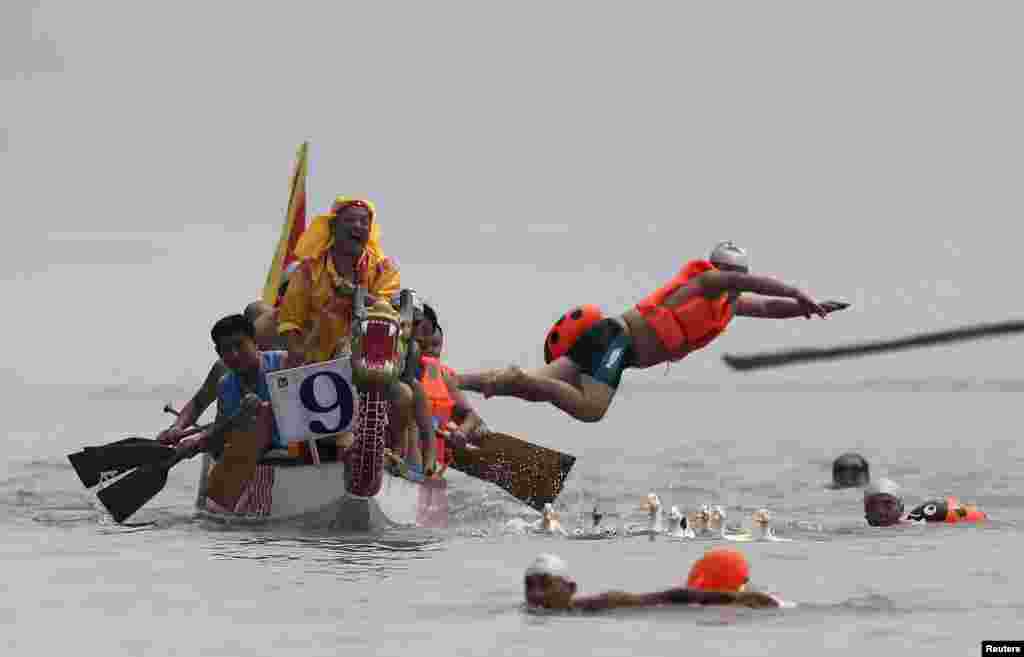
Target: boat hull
pixel 317 492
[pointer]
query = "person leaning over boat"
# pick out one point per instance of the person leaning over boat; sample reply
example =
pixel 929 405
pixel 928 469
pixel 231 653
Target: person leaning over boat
pixel 456 420
pixel 410 410
pixel 235 340
pixel 264 320
pixel 548 586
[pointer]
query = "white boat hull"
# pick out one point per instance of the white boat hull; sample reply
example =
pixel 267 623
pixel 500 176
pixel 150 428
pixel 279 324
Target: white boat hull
pixel 318 492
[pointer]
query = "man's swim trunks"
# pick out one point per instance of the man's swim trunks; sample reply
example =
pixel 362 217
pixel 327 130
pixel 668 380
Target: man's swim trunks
pixel 603 352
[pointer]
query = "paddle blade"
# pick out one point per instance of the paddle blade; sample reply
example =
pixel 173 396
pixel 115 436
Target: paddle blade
pixel 128 494
pixel 531 473
pixel 115 458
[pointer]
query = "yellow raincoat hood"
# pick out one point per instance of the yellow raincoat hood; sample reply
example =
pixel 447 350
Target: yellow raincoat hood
pixel 317 237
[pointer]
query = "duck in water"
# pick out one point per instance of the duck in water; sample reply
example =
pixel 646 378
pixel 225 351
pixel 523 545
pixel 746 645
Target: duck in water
pixel 700 519
pixel 550 521
pixel 677 526
pixel 763 531
pixel 655 522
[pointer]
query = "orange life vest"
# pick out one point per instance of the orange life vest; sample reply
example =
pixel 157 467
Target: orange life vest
pixel 441 403
pixel 690 325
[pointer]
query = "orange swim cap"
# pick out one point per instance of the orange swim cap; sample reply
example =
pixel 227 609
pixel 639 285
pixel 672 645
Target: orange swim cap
pixel 568 329
pixel 720 569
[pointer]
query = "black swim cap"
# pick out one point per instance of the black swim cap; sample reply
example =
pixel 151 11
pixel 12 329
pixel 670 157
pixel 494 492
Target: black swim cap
pixel 849 471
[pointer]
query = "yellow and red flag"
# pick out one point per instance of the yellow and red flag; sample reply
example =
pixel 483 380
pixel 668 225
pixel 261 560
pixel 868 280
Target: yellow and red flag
pixel 294 224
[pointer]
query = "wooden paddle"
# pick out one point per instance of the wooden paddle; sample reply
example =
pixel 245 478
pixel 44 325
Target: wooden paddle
pixel 794 356
pixel 531 473
pixel 129 493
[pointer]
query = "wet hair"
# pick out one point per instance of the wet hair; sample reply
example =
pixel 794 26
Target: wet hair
pixel 430 315
pixel 850 470
pixel 232 325
pixel 871 514
pixel 253 310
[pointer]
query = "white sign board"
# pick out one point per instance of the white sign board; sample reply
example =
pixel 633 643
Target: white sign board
pixel 313 400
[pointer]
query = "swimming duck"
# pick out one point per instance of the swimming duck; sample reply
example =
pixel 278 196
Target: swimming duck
pixel 676 522
pixel 655 523
pixel 550 522
pixel 762 527
pixel 699 520
pixel 716 520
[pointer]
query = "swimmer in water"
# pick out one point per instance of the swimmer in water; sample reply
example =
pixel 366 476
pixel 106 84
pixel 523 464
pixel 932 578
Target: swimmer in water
pixel 548 586
pixel 883 507
pixel 850 470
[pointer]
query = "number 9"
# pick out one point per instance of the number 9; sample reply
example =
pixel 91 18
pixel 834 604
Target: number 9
pixel 343 401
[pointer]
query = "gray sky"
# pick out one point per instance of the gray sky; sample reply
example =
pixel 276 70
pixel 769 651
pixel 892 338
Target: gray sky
pixel 525 157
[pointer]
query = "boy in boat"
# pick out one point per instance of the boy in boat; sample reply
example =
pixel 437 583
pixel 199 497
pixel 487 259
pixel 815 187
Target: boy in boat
pixel 234 338
pixel 586 353
pixel 411 407
pixel 548 586
pixel 454 418
pixel 264 320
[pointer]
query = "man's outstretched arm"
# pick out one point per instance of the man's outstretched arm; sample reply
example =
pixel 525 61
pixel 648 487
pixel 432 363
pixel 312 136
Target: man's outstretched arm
pixel 774 308
pixel 620 599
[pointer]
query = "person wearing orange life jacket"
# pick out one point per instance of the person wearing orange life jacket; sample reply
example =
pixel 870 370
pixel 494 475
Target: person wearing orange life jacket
pixel 447 402
pixel 586 352
pixel 883 507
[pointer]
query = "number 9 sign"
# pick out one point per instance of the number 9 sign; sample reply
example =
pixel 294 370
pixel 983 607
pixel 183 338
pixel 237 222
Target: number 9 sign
pixel 313 400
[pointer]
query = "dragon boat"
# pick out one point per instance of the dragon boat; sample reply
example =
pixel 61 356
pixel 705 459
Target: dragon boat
pixel 345 483
pixel 287 489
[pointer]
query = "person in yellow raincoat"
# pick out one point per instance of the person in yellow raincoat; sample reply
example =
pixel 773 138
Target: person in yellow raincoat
pixel 338 251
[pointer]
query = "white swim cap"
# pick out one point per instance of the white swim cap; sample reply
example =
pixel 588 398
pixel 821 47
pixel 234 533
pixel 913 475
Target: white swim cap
pixel 882 487
pixel 727 253
pixel 548 564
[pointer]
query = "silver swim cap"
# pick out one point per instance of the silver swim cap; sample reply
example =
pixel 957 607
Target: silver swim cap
pixel 547 564
pixel 882 487
pixel 730 255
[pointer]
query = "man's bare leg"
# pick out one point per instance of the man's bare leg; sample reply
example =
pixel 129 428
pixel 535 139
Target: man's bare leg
pixel 559 383
pixel 510 381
